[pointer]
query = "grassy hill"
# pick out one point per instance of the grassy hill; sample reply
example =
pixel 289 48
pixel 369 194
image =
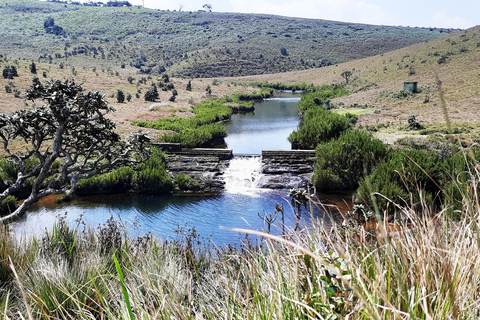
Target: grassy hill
pixel 189 44
pixel 377 82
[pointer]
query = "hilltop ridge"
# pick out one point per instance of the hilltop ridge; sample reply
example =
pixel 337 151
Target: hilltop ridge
pixel 190 44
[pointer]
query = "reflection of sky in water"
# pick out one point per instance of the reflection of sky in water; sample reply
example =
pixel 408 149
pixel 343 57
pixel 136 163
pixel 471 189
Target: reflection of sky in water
pixel 267 128
pixel 163 214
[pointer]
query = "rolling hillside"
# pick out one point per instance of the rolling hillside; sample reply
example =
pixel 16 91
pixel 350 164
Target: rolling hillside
pixel 377 81
pixel 189 44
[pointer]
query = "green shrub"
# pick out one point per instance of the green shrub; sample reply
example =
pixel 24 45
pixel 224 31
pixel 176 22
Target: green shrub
pixel 317 126
pixel 201 130
pixel 149 177
pixel 341 163
pixel 183 182
pixel 152 177
pixel 117 181
pixel 120 96
pixel 9 72
pixel 151 94
pixel 406 177
pixel 8 205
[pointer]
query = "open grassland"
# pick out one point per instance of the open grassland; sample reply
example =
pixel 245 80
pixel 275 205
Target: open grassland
pixel 109 82
pixel 190 44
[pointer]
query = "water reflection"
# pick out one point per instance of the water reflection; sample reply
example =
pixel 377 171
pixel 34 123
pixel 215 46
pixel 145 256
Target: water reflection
pixel 267 128
pixel 163 214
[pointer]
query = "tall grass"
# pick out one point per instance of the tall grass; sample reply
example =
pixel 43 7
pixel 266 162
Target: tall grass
pixel 428 269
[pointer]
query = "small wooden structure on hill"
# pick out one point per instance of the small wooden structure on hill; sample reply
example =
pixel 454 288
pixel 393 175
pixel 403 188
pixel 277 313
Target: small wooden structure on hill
pixel 410 86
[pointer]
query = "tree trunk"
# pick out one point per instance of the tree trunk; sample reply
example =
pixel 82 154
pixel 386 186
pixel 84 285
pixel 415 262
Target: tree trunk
pixel 20 211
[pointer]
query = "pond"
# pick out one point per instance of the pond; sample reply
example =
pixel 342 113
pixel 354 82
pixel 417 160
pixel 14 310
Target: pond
pixel 211 216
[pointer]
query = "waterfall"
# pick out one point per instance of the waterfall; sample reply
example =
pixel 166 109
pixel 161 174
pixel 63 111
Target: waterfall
pixel 242 174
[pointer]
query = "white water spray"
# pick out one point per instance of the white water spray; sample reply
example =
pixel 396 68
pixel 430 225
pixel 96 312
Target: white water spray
pixel 242 174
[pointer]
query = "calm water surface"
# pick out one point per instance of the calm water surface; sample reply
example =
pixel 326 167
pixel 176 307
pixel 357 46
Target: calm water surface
pixel 267 128
pixel 238 207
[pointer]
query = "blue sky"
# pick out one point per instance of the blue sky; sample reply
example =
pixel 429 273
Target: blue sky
pixel 421 13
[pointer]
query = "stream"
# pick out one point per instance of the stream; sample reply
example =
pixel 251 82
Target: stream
pixel 164 215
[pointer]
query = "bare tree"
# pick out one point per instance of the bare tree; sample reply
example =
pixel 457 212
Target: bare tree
pixel 180 7
pixel 346 74
pixel 70 129
pixel 208 7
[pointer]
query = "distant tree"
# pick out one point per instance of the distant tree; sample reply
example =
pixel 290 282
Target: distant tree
pixel 33 68
pixel 189 85
pixel 69 130
pixel 120 96
pixel 48 23
pixel 50 27
pixel 208 7
pixel 129 97
pixel 284 52
pixel 151 94
pixel 175 92
pixel 208 90
pixel 165 78
pixel 172 98
pixel 346 74
pixel 9 72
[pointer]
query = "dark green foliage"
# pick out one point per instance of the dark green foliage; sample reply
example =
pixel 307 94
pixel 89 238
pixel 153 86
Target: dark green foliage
pixel 265 93
pixel 149 177
pixel 120 96
pixel 283 51
pixel 165 78
pixel 48 23
pixel 402 177
pixel 413 123
pixel 151 94
pixel 172 98
pixel 342 162
pixel 208 90
pixel 129 97
pixel 50 27
pixel 9 72
pixel 318 125
pixel 152 177
pixel 189 85
pixel 33 68
pixel 8 204
pixel 117 181
pixel 183 182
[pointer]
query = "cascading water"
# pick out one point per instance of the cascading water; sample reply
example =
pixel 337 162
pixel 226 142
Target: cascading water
pixel 242 174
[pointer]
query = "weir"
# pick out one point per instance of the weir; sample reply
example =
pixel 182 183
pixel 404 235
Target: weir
pixel 219 170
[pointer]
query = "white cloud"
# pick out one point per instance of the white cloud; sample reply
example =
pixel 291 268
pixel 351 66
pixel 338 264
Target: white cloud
pixel 441 19
pixel 340 10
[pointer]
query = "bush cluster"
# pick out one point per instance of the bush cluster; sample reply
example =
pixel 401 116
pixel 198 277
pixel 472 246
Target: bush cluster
pixel 149 177
pixel 342 162
pixel 201 130
pixel 414 177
